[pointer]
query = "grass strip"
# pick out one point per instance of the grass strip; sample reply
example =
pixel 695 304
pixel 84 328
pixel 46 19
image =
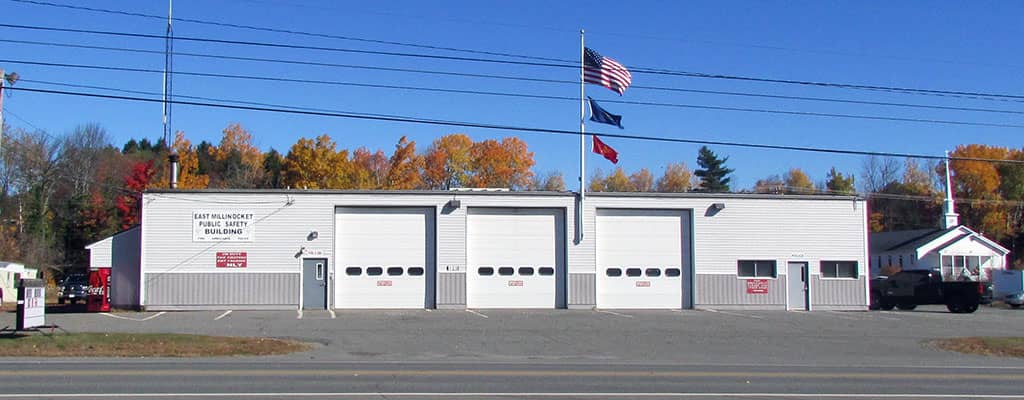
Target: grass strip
pixel 989 346
pixel 142 345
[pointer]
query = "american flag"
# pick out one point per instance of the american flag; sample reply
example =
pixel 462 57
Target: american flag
pixel 604 71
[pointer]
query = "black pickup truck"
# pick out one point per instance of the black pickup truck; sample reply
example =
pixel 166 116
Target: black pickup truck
pixel 908 289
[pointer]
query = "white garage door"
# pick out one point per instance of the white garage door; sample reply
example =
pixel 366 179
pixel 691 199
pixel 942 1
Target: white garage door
pixel 640 258
pixel 514 258
pixel 383 258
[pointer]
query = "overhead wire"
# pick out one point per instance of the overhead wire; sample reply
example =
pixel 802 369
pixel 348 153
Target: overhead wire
pixel 536 130
pixel 518 95
pixel 645 70
pixel 516 78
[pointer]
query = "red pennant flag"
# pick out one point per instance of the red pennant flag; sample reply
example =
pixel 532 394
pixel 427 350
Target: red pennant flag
pixel 605 150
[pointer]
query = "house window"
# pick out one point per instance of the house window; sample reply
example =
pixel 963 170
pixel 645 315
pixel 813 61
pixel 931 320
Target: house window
pixel 839 269
pixel 756 269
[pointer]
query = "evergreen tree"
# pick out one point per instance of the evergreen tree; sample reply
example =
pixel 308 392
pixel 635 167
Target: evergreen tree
pixel 714 176
pixel 838 183
pixel 131 147
pixel 272 169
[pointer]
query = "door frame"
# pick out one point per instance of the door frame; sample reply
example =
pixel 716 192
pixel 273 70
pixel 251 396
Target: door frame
pixel 327 280
pixel 807 280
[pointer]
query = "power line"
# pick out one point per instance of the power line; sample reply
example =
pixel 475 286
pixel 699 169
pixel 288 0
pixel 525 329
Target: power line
pixel 643 70
pixel 406 119
pixel 516 78
pixel 289 31
pixel 521 95
pixel 8 111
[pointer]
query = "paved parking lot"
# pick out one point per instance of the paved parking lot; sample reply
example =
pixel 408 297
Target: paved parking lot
pixel 673 337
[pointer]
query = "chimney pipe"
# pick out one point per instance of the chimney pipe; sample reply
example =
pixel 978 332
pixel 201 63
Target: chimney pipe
pixel 173 158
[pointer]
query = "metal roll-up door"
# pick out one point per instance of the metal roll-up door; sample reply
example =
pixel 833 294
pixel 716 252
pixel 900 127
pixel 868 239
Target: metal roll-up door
pixel 640 259
pixel 384 258
pixel 515 258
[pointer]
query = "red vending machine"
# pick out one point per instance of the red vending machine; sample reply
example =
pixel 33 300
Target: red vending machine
pixel 99 290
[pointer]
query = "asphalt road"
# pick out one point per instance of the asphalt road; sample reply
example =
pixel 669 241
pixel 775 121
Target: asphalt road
pixel 553 354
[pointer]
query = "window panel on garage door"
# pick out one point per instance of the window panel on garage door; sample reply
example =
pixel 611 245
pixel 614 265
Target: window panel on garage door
pixel 384 257
pixel 640 258
pixel 515 258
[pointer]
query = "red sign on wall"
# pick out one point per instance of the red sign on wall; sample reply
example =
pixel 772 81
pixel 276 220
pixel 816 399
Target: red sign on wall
pixel 515 283
pixel 643 283
pixel 757 286
pixel 384 283
pixel 232 259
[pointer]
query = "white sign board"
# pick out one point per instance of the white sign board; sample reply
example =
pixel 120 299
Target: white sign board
pixel 32 307
pixel 223 226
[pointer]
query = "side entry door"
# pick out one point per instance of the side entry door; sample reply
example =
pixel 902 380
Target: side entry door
pixel 314 284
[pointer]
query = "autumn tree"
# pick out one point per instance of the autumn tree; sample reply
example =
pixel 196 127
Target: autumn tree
pixel 448 161
pixel 642 180
pixel 188 166
pixel 676 179
pixel 596 182
pixel 618 182
pixel 370 169
pixel 504 164
pixel 980 181
pixel 714 176
pixel 797 182
pixel 137 181
pixel 837 183
pixel 316 164
pixel 773 184
pixel 238 163
pixel 548 182
pixel 404 167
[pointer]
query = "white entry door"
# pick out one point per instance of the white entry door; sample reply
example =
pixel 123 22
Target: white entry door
pixel 640 258
pixel 383 257
pixel 514 257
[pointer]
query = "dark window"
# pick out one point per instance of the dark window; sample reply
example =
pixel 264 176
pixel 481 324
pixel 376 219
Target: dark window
pixel 839 269
pixel 633 272
pixel 485 271
pixel 546 271
pixel 526 271
pixel 652 272
pixel 374 271
pixel 394 271
pixel 506 271
pixel 673 272
pixel 415 271
pixel 613 272
pixel 353 271
pixel 756 269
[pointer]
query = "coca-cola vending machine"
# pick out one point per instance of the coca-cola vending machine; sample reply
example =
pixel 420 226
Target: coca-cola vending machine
pixel 98 299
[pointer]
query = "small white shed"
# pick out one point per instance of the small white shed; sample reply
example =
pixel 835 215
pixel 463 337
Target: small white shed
pixel 958 252
pixel 120 253
pixel 9 272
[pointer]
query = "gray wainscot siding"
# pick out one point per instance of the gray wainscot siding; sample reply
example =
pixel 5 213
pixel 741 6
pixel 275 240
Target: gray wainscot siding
pixel 236 290
pixel 730 292
pixel 582 290
pixel 838 294
pixel 451 290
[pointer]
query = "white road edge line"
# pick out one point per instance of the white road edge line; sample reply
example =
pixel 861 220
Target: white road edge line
pixel 614 313
pixel 333 315
pixel 732 313
pixel 527 394
pixel 222 315
pixel 300 314
pixel 135 319
pixel 474 312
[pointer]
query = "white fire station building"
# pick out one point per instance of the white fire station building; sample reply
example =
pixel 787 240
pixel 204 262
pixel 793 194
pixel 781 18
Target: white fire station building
pixel 316 249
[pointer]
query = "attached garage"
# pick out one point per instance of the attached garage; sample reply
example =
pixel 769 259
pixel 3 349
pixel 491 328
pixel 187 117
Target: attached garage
pixel 384 257
pixel 643 259
pixel 515 258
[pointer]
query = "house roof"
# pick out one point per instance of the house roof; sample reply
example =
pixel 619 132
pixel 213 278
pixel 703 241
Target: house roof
pixel 93 244
pixel 909 241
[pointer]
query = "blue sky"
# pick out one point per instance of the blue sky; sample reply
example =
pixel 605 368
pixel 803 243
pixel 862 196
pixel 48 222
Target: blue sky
pixel 963 46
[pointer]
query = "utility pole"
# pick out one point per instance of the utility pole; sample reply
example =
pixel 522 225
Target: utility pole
pixel 172 157
pixel 9 79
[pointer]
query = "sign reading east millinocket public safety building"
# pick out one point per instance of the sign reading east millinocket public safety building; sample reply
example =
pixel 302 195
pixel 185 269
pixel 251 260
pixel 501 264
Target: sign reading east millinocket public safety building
pixel 223 226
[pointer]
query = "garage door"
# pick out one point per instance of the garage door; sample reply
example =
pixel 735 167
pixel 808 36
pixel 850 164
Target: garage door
pixel 384 258
pixel 640 258
pixel 515 258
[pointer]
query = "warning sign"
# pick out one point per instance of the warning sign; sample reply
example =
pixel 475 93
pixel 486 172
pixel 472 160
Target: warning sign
pixel 232 259
pixel 757 286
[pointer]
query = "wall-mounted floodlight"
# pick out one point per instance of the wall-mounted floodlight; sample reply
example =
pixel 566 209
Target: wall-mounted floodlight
pixel 718 206
pixel 313 235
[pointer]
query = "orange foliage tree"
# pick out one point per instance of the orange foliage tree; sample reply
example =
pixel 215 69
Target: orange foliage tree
pixel 447 162
pixel 979 180
pixel 316 164
pixel 404 167
pixel 504 164
pixel 188 166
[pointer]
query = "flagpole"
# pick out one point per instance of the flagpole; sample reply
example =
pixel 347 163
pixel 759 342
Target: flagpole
pixel 583 170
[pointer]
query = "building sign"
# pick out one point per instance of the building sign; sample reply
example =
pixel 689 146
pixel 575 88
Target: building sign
pixel 232 259
pixel 31 312
pixel 643 283
pixel 757 286
pixel 223 226
pixel 515 283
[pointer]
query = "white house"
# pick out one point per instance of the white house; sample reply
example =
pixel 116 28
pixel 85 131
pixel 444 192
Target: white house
pixel 958 252
pixel 9 273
